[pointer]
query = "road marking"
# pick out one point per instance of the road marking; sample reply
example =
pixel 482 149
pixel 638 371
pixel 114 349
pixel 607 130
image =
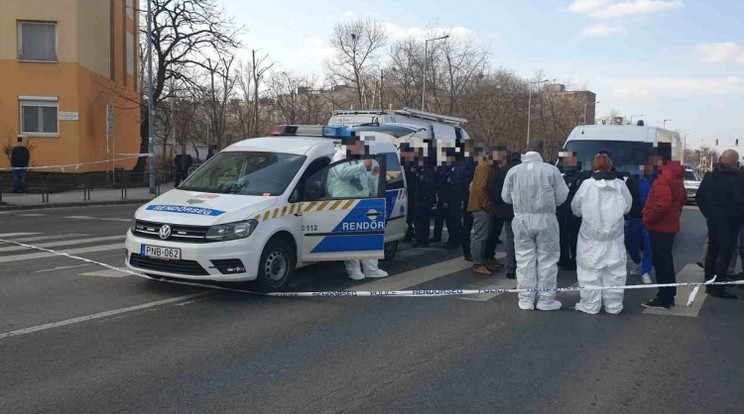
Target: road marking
pixel 498 282
pixel 106 273
pixel 79 217
pixel 16 234
pixel 416 276
pixel 49 237
pixel 126 220
pixel 64 243
pixel 689 273
pixel 54 269
pixel 32 215
pixel 100 315
pixel 41 255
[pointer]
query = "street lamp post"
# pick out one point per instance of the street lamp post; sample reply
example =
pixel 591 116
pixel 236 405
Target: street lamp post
pixel 426 60
pixel 634 116
pixel 529 108
pixel 585 105
pixel 665 121
pixel 150 120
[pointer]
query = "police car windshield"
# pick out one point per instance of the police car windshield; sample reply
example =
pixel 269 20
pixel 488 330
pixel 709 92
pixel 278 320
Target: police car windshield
pixel 245 173
pixel 626 156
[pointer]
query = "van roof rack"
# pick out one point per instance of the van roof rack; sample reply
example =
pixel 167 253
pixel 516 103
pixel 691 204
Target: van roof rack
pixel 360 111
pixel 414 113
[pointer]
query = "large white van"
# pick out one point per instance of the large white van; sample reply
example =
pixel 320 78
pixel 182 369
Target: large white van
pixel 628 145
pixel 435 125
pixel 260 208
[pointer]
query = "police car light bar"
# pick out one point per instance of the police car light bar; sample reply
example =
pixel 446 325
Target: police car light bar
pixel 310 131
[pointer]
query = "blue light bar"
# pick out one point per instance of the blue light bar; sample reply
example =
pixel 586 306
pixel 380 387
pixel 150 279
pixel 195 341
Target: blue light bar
pixel 335 131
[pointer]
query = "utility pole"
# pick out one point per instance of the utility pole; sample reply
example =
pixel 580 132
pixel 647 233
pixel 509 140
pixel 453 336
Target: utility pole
pixel 150 111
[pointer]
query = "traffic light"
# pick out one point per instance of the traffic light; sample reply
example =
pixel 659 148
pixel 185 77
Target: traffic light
pixel 716 142
pixel 737 142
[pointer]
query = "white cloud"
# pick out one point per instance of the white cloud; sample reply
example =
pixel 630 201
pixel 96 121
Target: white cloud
pixel 603 30
pixel 721 52
pixel 607 9
pixel 397 33
pixel 316 48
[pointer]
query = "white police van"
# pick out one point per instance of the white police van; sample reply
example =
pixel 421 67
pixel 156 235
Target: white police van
pixel 262 207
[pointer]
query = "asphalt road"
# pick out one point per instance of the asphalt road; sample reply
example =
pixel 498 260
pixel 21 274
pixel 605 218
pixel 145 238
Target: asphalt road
pixel 87 339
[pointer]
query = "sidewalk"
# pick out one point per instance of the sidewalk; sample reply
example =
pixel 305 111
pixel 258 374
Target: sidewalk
pixel 74 198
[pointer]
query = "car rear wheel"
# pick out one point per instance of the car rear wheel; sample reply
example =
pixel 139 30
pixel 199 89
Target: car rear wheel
pixel 391 248
pixel 276 266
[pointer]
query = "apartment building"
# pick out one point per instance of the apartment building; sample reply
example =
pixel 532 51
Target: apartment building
pixel 69 80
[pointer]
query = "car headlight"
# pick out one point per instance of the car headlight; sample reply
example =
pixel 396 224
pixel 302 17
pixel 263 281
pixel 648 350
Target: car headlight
pixel 133 226
pixel 232 231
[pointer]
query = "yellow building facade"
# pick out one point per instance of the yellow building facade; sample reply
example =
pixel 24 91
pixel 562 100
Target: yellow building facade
pixel 69 81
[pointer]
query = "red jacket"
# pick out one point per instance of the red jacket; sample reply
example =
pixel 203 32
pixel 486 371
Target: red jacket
pixel 665 200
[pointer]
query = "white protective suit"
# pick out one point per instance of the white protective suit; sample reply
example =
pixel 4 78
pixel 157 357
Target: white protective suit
pixel 601 256
pixel 536 188
pixel 348 181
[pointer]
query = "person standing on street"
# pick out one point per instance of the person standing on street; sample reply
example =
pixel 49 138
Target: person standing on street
pixel 479 205
pixel 720 198
pixel 440 213
pixel 661 217
pixel 602 202
pixel 19 159
pixel 535 189
pixel 639 184
pixel 568 223
pixel 507 215
pixel 425 199
pixel 182 162
pixel 452 194
pixel 470 164
pixel 358 178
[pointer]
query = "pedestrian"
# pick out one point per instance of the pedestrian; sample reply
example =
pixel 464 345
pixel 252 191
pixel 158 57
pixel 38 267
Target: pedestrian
pixel 639 184
pixel 355 179
pixel 212 151
pixel 19 159
pixel 661 218
pixel 535 189
pixel 499 156
pixel 440 213
pixel 470 164
pixel 506 211
pixel 409 167
pixel 425 199
pixel 479 205
pixel 182 163
pixel 720 198
pixel 567 222
pixel 602 202
pixel 452 194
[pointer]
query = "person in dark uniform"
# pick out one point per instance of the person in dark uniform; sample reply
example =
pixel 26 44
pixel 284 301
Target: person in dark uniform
pixel 568 223
pixel 182 163
pixel 499 159
pixel 425 199
pixel 469 162
pixel 440 213
pixel 506 212
pixel 409 167
pixel 452 194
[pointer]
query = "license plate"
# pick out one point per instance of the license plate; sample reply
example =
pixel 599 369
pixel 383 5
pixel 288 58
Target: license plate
pixel 162 253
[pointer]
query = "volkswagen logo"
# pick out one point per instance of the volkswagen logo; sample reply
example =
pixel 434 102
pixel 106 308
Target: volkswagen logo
pixel 165 231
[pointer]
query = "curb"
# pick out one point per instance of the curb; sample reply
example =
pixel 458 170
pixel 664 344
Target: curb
pixel 11 207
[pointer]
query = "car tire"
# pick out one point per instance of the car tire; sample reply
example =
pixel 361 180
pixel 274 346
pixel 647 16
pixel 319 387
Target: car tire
pixel 276 267
pixel 391 248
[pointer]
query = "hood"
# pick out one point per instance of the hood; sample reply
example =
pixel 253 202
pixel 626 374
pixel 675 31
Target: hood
pixel 606 181
pixel 202 209
pixel 673 170
pixel 532 156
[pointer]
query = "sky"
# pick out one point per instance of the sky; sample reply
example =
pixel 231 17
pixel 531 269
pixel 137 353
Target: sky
pixel 680 60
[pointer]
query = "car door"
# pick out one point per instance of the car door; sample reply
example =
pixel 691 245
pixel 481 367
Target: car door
pixel 343 212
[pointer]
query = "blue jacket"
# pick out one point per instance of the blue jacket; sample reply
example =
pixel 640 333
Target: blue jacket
pixel 426 189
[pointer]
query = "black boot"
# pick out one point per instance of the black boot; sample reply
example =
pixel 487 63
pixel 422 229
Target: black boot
pixel 721 292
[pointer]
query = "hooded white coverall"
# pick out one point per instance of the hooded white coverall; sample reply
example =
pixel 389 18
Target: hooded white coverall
pixel 536 188
pixel 601 256
pixel 339 184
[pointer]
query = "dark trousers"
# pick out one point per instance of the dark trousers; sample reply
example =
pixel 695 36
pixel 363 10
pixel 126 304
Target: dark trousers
pixel 421 222
pixel 453 218
pixel 661 254
pixel 410 218
pixel 467 227
pixel 19 180
pixel 721 241
pixel 569 228
pixel 497 224
pixel 440 215
pixel 180 176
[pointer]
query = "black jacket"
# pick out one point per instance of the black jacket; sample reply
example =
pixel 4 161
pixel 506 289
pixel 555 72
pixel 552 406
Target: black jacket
pixel 19 157
pixel 721 196
pixel 505 210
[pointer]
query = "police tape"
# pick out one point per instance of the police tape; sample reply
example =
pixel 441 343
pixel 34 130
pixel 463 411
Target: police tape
pixel 129 156
pixel 382 293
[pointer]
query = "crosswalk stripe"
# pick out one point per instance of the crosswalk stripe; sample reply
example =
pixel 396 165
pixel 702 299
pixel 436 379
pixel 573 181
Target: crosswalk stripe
pixel 49 237
pixel 64 243
pixel 690 273
pixel 42 255
pixel 16 234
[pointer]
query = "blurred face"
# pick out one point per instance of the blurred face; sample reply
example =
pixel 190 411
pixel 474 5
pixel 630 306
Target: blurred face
pixel 355 147
pixel 569 161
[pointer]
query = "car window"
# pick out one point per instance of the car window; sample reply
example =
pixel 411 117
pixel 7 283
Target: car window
pixel 345 180
pixel 393 172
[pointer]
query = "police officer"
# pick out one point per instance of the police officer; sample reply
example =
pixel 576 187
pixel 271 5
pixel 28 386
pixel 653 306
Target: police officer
pixel 409 168
pixel 425 199
pixel 440 213
pixel 451 195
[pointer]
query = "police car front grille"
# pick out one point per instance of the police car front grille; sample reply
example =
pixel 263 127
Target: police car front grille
pixel 179 232
pixel 183 267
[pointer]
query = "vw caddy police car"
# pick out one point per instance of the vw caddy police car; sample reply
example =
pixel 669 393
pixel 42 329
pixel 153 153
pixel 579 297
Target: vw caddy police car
pixel 262 207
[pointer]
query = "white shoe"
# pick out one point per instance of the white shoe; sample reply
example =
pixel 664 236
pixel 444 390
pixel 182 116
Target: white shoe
pixel 549 306
pixel 646 278
pixel 376 274
pixel 356 276
pixel 581 308
pixel 526 306
pixel 635 269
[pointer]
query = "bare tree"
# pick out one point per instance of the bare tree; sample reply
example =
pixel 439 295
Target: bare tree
pixel 356 44
pixel 217 95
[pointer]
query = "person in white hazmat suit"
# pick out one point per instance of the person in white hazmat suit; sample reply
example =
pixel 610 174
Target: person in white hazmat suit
pixel 601 202
pixel 355 179
pixel 535 189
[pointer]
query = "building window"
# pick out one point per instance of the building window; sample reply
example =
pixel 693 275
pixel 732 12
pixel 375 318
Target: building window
pixel 37 41
pixel 39 115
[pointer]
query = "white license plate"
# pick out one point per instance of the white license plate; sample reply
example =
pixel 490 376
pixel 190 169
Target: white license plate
pixel 163 253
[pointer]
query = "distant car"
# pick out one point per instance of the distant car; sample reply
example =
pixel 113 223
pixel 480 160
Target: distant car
pixel 692 183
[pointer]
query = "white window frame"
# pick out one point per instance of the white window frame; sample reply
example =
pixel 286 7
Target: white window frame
pixel 19 26
pixel 38 101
